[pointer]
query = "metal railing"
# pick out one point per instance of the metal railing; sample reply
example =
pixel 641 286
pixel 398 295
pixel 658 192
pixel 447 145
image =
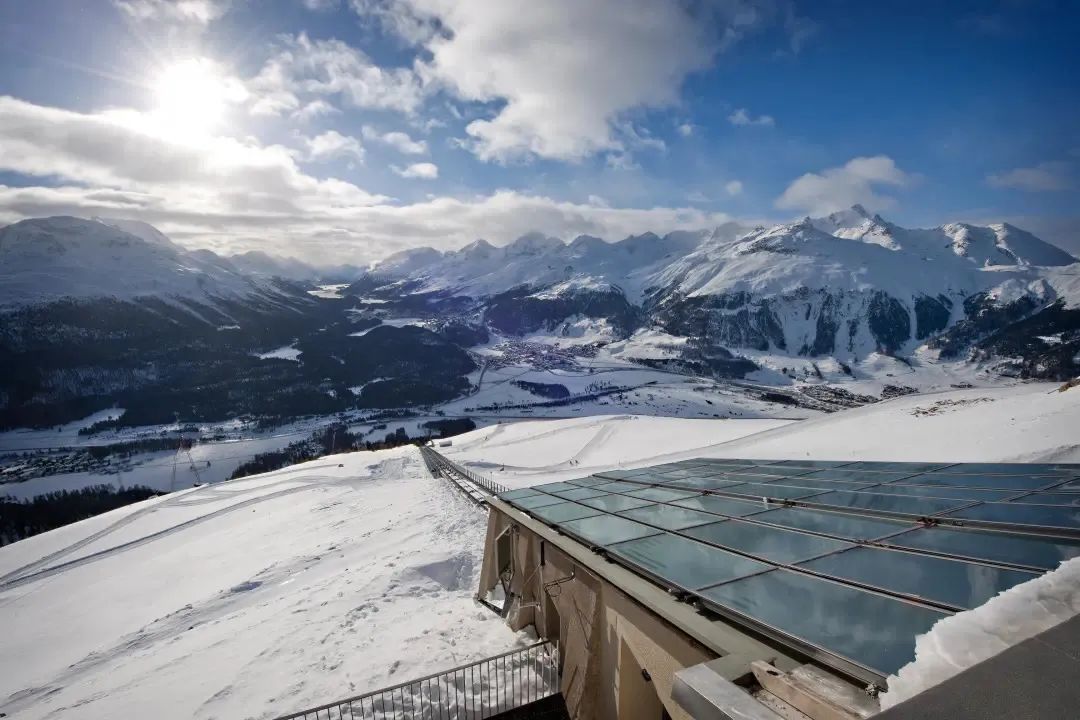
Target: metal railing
pixel 438 464
pixel 475 691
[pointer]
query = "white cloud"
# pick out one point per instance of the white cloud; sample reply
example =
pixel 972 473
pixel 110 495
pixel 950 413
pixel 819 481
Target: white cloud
pixel 742 117
pixel 398 140
pixel 312 68
pixel 231 195
pixel 733 188
pixel 332 144
pixel 564 71
pixel 1044 177
pixel 201 12
pixel 321 5
pixel 685 129
pixel 841 187
pixel 422 171
pixel 314 109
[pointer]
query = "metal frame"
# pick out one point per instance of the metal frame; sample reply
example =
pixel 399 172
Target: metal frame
pixel 474 691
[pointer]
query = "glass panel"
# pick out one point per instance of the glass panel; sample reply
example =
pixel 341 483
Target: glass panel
pixel 661 494
pixel 771 490
pixel 669 517
pixel 855 527
pixel 607 529
pixel 655 478
pixel 812 463
pixel 849 475
pixel 684 562
pixel 1062 517
pixel 955 582
pixel 887 503
pixel 552 488
pixel 770 543
pixel 614 503
pixel 1029 550
pixel 1007 469
pixel 535 501
pixel 777 471
pixel 522 493
pixel 589 481
pixel 723 506
pixel 822 484
pixel 907 468
pixel 1047 498
pixel 703 483
pixel 618 474
pixel 942 492
pixel 1005 482
pixel 580 493
pixel 564 511
pixel 618 487
pixel 1072 486
pixel 875 631
pixel 680 473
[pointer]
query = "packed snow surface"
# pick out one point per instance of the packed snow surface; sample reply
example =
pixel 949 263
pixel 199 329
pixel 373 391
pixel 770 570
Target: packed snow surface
pixel 963 640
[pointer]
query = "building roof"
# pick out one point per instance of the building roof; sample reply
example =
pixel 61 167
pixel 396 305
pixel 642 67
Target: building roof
pixel 845 562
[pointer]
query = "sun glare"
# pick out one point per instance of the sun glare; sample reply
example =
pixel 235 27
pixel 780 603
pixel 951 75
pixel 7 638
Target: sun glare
pixel 192 98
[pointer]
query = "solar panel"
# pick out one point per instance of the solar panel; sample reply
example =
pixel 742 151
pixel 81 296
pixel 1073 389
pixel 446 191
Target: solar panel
pixel 958 583
pixel 765 542
pixel 661 494
pixel 871 630
pixel 1032 551
pixel 579 493
pixel 685 563
pixel 721 506
pixel 1004 482
pixel 613 503
pixel 847 561
pixel 852 527
pixel 607 529
pixel 669 517
pixel 561 512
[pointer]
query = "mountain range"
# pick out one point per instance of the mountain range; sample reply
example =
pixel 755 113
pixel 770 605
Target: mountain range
pixel 99 311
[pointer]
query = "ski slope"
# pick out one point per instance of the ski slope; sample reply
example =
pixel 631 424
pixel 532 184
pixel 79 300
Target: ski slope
pixel 254 597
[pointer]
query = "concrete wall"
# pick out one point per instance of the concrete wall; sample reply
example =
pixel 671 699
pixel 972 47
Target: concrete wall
pixel 606 639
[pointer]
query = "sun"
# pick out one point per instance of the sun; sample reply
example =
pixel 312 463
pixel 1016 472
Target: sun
pixel 192 98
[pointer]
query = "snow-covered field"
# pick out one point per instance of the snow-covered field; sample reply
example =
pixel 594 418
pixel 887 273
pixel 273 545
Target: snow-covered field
pixel 249 598
pixel 258 596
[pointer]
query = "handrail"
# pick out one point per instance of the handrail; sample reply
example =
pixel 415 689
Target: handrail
pixel 437 461
pixel 476 690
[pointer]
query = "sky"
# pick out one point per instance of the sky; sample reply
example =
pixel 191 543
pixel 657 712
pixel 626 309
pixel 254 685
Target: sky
pixel 345 130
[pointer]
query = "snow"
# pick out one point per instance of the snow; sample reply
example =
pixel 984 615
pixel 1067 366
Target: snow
pixel 285 352
pixel 958 642
pixel 526 453
pixel 281 592
pixel 46 259
pixel 1025 423
pixel 391 322
pixel 329 292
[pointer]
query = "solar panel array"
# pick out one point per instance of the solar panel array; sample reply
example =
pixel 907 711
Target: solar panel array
pixel 846 561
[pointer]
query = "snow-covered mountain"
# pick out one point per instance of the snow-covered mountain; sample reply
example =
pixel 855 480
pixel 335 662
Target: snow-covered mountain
pixel 844 285
pixel 47 259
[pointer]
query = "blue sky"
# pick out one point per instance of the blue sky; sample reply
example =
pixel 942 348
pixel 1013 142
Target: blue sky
pixel 345 130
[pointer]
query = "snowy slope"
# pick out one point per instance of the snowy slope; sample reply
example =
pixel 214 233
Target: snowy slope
pixel 282 591
pixel 51 258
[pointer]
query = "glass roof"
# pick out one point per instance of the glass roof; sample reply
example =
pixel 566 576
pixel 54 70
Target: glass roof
pixel 848 560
